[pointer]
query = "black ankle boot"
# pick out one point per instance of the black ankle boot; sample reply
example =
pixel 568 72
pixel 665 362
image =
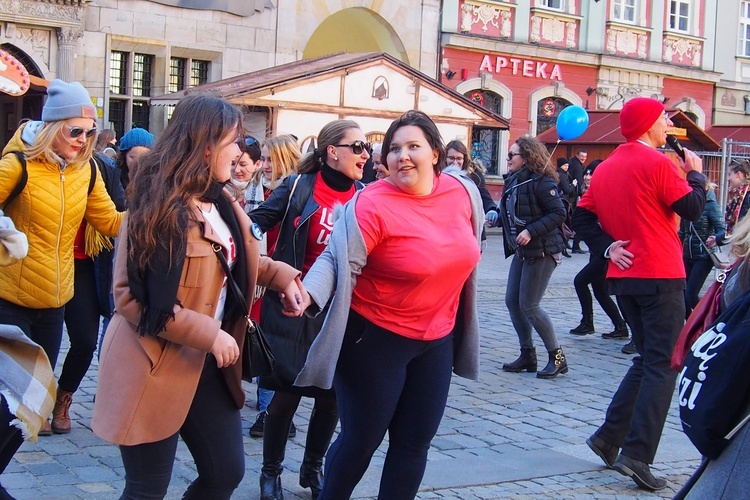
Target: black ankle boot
pixel 556 364
pixel 319 434
pixel 526 361
pixel 620 332
pixel 275 433
pixel 586 327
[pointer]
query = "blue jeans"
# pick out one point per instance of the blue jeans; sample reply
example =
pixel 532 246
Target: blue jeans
pixel 386 382
pixel 43 326
pixel 264 397
pixel 527 282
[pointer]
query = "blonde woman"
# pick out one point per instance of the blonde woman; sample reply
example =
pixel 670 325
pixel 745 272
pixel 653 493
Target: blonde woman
pixel 59 193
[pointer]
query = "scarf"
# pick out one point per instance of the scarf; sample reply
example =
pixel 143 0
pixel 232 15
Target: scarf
pixel 27 384
pixel 156 288
pixel 270 185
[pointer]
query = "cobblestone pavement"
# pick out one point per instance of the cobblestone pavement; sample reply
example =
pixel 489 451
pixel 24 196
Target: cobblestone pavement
pixel 505 436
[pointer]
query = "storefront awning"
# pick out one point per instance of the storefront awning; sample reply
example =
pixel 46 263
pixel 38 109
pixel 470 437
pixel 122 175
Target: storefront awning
pixel 737 133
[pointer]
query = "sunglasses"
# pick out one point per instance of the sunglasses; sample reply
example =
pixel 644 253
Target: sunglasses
pixel 357 147
pixel 511 155
pixel 75 132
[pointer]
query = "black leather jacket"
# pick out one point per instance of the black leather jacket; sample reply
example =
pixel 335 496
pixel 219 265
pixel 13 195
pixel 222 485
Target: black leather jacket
pixel 537 207
pixel 289 338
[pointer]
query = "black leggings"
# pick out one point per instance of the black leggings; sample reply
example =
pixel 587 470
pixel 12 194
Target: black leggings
pixel 82 323
pixel 212 432
pixel 386 382
pixel 595 274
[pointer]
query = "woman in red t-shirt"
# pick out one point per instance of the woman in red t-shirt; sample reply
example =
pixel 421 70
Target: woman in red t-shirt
pixel 412 240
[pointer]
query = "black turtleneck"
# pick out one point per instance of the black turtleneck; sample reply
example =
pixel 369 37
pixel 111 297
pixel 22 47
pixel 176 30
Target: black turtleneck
pixel 335 179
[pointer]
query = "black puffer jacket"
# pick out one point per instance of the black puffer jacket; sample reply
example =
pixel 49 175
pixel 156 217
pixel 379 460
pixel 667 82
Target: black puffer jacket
pixel 532 202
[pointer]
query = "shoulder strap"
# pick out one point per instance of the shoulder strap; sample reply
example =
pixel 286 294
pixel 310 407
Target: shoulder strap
pixel 92 180
pixel 21 183
pixel 286 212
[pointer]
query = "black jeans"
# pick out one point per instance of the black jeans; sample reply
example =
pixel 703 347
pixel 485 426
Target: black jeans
pixel 386 382
pixel 212 432
pixel 635 417
pixel 595 274
pixel 10 436
pixel 43 326
pixel 696 271
pixel 82 323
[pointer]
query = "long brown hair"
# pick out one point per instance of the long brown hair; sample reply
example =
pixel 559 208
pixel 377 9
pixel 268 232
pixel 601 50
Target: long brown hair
pixel 536 157
pixel 173 173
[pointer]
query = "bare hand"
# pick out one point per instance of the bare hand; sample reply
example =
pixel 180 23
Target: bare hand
pixel 620 256
pixel 692 162
pixel 295 299
pixel 711 241
pixel 225 350
pixel 524 238
pixel 575 182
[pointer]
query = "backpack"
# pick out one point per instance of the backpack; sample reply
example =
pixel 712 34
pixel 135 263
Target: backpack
pixel 25 178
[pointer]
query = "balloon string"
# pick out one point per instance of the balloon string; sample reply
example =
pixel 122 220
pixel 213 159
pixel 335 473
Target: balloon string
pixel 549 159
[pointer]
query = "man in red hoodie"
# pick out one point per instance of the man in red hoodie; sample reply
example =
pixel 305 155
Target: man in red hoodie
pixel 628 216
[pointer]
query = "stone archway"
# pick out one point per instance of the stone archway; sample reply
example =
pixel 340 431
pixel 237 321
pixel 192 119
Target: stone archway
pixel 355 30
pixel 556 90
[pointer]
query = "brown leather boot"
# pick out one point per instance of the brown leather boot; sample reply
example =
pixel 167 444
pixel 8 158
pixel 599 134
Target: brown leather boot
pixel 46 429
pixel 60 415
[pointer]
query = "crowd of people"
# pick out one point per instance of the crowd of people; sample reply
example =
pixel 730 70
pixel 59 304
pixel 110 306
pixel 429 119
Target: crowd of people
pixel 365 310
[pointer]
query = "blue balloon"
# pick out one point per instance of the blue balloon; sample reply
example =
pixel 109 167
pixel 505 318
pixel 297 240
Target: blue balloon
pixel 572 122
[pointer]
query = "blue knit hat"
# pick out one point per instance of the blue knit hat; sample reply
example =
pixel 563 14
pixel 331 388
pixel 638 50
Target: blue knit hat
pixel 137 137
pixel 67 100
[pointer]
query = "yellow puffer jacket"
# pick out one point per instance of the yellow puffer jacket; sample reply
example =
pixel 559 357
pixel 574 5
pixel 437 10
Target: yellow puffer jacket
pixel 49 211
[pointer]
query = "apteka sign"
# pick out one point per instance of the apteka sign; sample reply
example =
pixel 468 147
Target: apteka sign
pixel 523 67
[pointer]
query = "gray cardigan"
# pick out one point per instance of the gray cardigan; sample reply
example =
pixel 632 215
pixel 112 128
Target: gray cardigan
pixel 336 270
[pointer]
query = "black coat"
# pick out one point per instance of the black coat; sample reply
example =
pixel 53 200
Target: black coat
pixel 575 172
pixel 538 208
pixel 289 338
pixel 103 262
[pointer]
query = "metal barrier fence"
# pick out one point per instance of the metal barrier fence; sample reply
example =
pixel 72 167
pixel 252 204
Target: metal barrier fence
pixel 716 165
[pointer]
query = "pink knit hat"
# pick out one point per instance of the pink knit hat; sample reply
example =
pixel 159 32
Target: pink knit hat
pixel 638 115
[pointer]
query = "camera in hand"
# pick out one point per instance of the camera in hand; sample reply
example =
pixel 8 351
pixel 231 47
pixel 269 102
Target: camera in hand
pixel 675 144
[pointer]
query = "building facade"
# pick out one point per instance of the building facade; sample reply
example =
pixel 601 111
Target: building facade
pixel 532 58
pixel 126 51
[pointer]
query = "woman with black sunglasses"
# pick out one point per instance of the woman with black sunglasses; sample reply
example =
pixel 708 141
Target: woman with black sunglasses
pixel 303 206
pixel 47 187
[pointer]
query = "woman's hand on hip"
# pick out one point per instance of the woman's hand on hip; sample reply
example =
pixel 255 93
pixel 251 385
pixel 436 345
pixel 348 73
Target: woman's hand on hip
pixel 225 349
pixel 295 299
pixel 523 238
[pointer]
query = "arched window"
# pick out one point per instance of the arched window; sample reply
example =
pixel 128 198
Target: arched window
pixel 548 109
pixel 485 142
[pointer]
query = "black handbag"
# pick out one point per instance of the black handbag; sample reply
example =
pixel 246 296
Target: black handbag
pixel 257 358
